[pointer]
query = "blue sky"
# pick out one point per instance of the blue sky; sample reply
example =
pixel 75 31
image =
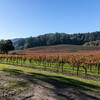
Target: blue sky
pixel 24 18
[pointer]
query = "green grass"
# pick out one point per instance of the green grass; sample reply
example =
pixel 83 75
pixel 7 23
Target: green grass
pixel 67 68
pixel 16 84
pixel 57 80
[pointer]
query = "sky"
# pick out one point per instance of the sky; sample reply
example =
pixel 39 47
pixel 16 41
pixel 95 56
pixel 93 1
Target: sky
pixel 25 18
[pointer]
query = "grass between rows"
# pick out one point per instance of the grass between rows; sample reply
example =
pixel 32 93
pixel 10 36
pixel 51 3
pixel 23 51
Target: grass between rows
pixel 55 79
pixel 67 68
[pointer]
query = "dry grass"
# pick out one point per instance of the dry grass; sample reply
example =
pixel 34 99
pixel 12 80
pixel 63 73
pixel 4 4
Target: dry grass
pixel 58 49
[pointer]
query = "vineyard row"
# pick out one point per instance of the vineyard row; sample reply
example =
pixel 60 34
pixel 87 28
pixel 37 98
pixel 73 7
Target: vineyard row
pixel 76 61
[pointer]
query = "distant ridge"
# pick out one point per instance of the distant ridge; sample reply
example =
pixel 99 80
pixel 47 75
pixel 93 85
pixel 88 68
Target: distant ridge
pixel 15 40
pixel 55 39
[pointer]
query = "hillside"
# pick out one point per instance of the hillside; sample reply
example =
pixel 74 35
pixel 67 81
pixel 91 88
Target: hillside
pixel 93 43
pixel 15 40
pixel 55 39
pixel 57 49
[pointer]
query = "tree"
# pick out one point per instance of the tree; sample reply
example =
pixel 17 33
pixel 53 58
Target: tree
pixel 6 46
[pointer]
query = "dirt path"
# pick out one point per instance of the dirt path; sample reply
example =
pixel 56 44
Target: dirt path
pixel 34 86
pixel 48 93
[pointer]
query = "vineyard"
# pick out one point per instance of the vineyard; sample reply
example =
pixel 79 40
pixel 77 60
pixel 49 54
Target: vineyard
pixel 77 63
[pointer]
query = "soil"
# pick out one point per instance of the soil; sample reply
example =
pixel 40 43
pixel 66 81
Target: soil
pixel 40 89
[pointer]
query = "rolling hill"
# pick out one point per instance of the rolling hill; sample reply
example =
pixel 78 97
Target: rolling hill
pixel 57 49
pixel 55 39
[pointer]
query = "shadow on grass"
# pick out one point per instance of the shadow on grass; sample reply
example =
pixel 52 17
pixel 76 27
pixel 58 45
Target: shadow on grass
pixel 17 84
pixel 58 82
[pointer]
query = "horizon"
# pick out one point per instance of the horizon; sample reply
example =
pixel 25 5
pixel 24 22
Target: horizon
pixel 22 18
pixel 47 33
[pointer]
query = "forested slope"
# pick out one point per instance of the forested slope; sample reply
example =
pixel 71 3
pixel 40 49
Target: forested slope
pixel 55 39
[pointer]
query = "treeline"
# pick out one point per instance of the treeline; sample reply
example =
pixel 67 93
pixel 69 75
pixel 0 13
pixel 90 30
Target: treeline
pixel 6 46
pixel 57 38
